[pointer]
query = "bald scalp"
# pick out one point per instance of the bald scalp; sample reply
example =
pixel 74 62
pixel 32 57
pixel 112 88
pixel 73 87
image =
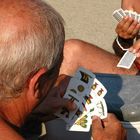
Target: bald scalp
pixel 31 37
pixel 17 16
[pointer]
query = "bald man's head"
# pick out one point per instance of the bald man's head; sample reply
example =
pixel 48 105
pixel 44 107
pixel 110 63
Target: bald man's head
pixel 31 37
pixel 19 16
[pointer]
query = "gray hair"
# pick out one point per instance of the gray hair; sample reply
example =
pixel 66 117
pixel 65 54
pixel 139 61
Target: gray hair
pixel 31 37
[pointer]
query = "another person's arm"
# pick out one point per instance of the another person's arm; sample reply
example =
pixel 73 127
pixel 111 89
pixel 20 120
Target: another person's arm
pixel 107 129
pixel 126 30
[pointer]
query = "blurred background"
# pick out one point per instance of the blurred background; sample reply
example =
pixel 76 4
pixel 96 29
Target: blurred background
pixel 89 20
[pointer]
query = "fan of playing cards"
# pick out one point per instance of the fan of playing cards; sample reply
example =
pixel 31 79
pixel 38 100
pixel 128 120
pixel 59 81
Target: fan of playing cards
pixel 129 57
pixel 87 93
pixel 120 14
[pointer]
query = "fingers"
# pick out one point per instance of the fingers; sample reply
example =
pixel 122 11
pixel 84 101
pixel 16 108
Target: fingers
pixel 136 48
pixel 127 28
pixel 111 118
pixel 68 104
pixel 96 124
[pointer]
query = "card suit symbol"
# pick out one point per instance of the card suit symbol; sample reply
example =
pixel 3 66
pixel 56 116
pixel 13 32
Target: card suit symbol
pixel 82 122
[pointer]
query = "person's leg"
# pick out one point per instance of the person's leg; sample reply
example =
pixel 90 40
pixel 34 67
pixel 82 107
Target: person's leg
pixel 79 53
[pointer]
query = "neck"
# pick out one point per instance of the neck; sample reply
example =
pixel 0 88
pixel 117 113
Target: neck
pixel 14 110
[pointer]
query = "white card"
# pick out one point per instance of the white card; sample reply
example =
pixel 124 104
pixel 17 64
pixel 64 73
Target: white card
pixel 126 13
pixel 98 89
pixel 101 108
pixel 83 124
pixel 127 60
pixel 133 15
pixel 121 12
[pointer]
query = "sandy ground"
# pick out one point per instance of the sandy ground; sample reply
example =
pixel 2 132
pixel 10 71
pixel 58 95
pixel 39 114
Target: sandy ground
pixel 90 20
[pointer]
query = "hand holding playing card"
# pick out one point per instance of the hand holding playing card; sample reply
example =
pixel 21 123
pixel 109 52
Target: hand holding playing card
pixel 128 26
pixel 107 129
pixel 136 48
pixel 87 93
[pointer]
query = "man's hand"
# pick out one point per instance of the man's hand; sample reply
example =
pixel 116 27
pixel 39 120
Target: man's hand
pixel 107 129
pixel 54 99
pixel 136 48
pixel 127 28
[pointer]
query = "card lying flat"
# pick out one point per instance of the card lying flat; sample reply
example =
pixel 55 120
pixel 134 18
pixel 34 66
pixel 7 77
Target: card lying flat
pixel 127 60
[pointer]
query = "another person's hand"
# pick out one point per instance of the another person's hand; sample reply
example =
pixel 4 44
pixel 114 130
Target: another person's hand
pixel 107 129
pixel 136 48
pixel 127 28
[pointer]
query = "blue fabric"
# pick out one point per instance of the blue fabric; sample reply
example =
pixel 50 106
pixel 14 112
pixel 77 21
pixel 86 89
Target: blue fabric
pixel 123 96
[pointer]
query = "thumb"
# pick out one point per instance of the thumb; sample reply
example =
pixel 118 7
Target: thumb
pixel 96 126
pixel 68 104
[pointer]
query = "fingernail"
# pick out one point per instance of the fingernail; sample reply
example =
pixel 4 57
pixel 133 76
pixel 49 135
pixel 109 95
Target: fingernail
pixel 134 51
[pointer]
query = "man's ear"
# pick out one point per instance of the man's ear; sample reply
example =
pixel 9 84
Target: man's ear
pixel 33 83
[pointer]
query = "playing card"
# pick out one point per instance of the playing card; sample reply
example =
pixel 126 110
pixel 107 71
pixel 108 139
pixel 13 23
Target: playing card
pixel 64 113
pixel 93 111
pixel 78 114
pixel 83 124
pixel 138 18
pixel 98 89
pixel 130 13
pixel 133 14
pixel 121 12
pixel 127 60
pixel 87 93
pixel 78 87
pixel 117 15
pixel 85 76
pixel 126 12
pixel 101 108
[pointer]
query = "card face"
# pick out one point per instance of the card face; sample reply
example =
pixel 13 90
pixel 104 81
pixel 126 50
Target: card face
pixel 98 89
pixel 87 93
pixel 78 87
pixel 64 113
pixel 127 60
pixel 85 76
pixel 83 124
pixel 78 114
pixel 101 108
